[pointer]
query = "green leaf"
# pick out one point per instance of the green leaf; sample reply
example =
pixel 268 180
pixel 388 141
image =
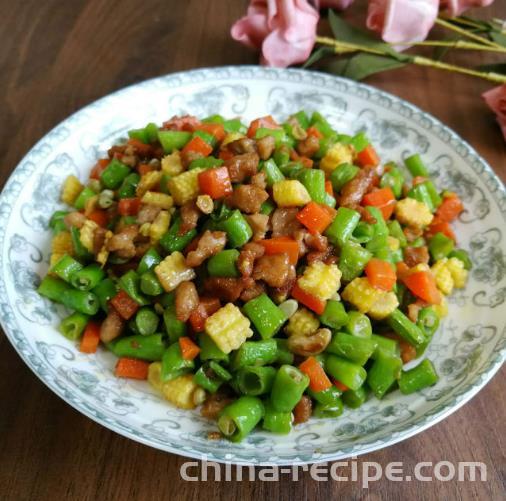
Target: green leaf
pixel 363 65
pixel 440 52
pixel 337 66
pixel 498 37
pixel 494 68
pixel 317 55
pixel 345 32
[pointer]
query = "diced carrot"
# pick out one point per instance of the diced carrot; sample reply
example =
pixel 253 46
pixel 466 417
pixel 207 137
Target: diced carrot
pixel 124 305
pixel 423 285
pixel 368 157
pixel 215 182
pixel 99 216
pixel 383 199
pixel 129 206
pixel 132 368
pixel 98 168
pixel 402 269
pixel 145 168
pixel 198 318
pixel 189 350
pixel 266 122
pixel 318 380
pixel 340 386
pixel 328 188
pixel 312 302
pixel 91 338
pixel 306 162
pixel 408 351
pixel 280 245
pixel 439 226
pixel 380 274
pixel 198 145
pixel 315 217
pixel 225 155
pixel 313 131
pixel 294 156
pixel 450 208
pixel 217 130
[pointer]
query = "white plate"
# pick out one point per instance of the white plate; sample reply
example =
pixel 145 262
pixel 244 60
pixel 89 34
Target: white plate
pixel 467 351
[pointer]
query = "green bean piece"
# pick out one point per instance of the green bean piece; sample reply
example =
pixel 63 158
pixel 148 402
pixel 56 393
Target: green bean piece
pixel 418 378
pixel 283 355
pixel 385 345
pixel 356 349
pixel 205 163
pixel 65 267
pixel 57 223
pixel 329 397
pixel 239 418
pixel 149 284
pixel 433 193
pixel 255 381
pixel 394 180
pixel 150 259
pixel 83 197
pixel 173 139
pixel 359 141
pixel 353 260
pixel 354 398
pixel 463 256
pixel 81 301
pixel 265 315
pixel 211 376
pixel 341 175
pixel 428 322
pixel 383 373
pixel 421 193
pixel 114 174
pixel 174 327
pixel 267 207
pixel 320 122
pixel 53 288
pixel 358 324
pixel 224 264
pixel 209 350
pixel 254 353
pixel 350 374
pixel 234 125
pixel 214 119
pixel 334 315
pixel 302 118
pixel 362 233
pixel 206 136
pixel 150 348
pixel 417 242
pixel 314 182
pixel 325 411
pixel 129 186
pixel 129 282
pixel 405 328
pixel 173 363
pixel 281 156
pixel 395 230
pixel 72 327
pixel 79 249
pixel 400 291
pixel 272 172
pixel 146 321
pixel 440 246
pixel 289 385
pixel 416 166
pixel 292 170
pixel 172 241
pixel 105 291
pixel 237 228
pixel 329 200
pixel 88 277
pixel 276 421
pixel 341 228
pixel 279 135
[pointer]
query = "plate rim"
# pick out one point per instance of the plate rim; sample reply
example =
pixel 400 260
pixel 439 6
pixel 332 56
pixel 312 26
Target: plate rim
pixel 422 423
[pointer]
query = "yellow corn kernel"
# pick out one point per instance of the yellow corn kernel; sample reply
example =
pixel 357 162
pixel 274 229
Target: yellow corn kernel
pixel 173 270
pixel 185 186
pixel 228 328
pixel 205 204
pixel 336 155
pixel 444 280
pixel 361 294
pixel 302 323
pixel 384 306
pixel 393 243
pixel 458 272
pixel 90 205
pixel 62 244
pixel 157 199
pixel 103 254
pixel 411 212
pixel 71 190
pixel 171 164
pixel 182 391
pixel 321 280
pixel 155 375
pixel 148 181
pixel 441 309
pixel 231 137
pixel 159 226
pixel 419 267
pixel 87 234
pixel 144 229
pixel 290 193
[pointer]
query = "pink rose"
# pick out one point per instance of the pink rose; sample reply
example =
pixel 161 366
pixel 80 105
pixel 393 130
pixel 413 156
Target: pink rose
pixel 496 101
pixel 285 30
pixel 457 7
pixel 402 21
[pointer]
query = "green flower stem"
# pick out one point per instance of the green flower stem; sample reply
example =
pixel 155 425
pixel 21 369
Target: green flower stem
pixel 463 32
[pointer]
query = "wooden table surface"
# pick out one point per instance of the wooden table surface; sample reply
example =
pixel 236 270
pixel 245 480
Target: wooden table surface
pixel 59 55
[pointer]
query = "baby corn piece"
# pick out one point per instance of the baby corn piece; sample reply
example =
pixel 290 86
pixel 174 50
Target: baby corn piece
pixel 444 279
pixel 411 212
pixel 71 190
pixel 148 181
pixel 185 186
pixel 321 280
pixel 458 272
pixel 159 226
pixel 302 323
pixel 183 392
pixel 87 234
pixel 161 200
pixel 171 164
pixel 336 155
pixel 290 193
pixel 173 270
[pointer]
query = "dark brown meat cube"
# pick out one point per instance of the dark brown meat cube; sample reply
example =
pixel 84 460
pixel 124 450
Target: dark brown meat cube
pixel 274 270
pixel 187 299
pixel 309 146
pixel 241 167
pixel 209 244
pixel 284 221
pixel 416 255
pixel 249 253
pixel 266 146
pixel 190 214
pixel 303 410
pixel 226 289
pixel 259 224
pixel 353 191
pixel 242 145
pixel 247 198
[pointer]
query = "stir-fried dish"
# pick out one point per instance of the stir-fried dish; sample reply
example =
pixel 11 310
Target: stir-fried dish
pixel 268 273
